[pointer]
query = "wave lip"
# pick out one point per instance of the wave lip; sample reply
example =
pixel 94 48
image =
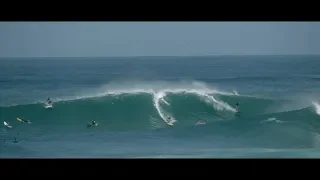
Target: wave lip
pixel 316 107
pixel 129 87
pixel 138 87
pixel 272 120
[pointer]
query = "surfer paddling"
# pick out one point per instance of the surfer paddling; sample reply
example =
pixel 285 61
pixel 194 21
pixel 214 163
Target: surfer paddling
pixel 25 121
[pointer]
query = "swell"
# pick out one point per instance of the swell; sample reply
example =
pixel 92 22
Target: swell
pixel 138 110
pixel 150 110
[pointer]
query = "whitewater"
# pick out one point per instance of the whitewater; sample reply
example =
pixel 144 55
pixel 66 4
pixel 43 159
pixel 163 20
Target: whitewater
pixel 132 98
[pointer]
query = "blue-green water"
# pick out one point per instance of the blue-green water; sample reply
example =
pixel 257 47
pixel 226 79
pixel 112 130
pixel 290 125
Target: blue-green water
pixel 130 98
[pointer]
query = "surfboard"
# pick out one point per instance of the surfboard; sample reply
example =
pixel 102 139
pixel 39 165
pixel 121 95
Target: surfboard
pixel 200 123
pixel 169 123
pixel 90 125
pixel 23 121
pixel 6 124
pixel 48 106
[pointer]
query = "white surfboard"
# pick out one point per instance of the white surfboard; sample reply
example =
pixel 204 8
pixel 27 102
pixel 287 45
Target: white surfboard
pixel 170 123
pixel 6 124
pixel 48 106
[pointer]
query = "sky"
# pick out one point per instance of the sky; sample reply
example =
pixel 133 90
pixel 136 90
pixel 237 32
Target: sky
pixel 109 39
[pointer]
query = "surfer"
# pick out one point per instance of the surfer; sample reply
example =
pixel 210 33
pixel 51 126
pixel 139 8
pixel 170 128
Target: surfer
pixel 234 93
pixel 48 101
pixel 169 119
pixel 15 140
pixel 93 123
pixel 237 107
pixel 7 124
pixel 25 121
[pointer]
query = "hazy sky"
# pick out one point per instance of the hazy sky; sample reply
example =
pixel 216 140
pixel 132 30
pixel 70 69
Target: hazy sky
pixel 65 39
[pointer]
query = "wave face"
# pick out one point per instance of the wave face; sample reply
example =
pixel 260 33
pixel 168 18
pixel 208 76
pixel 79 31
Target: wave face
pixel 128 110
pixel 139 109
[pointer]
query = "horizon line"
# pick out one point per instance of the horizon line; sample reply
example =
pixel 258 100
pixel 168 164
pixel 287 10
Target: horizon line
pixel 137 56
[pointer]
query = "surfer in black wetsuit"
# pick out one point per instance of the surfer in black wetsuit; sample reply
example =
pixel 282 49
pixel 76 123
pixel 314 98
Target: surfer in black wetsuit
pixel 237 107
pixel 93 122
pixel 49 100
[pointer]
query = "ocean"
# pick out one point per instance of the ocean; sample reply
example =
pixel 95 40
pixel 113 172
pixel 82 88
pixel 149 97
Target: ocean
pixel 131 99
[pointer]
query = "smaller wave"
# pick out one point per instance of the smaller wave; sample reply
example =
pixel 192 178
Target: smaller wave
pixel 272 119
pixel 316 140
pixel 235 92
pixel 317 107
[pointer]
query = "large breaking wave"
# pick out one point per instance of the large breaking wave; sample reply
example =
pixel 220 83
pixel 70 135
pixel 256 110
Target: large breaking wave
pixel 262 122
pixel 147 106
